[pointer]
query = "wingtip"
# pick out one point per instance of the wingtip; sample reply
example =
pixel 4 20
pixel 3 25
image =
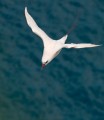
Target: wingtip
pixel 101 45
pixel 25 9
pixel 97 45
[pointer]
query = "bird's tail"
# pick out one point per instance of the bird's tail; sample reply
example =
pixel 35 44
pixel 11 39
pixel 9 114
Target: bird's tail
pixel 75 22
pixel 63 39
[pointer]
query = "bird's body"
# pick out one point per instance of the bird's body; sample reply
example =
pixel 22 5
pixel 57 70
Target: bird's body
pixel 51 47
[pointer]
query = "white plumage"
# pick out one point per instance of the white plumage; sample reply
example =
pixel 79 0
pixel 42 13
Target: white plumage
pixel 52 47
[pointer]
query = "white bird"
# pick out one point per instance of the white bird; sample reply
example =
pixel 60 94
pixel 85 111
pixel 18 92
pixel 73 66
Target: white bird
pixel 51 47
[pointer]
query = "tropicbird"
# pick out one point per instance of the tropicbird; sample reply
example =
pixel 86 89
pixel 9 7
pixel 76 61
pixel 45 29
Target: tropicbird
pixel 51 47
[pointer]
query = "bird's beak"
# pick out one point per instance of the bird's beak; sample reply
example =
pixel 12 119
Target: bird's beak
pixel 43 65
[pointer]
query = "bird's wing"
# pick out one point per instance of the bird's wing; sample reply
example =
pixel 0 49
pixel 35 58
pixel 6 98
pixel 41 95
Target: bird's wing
pixel 81 45
pixel 32 24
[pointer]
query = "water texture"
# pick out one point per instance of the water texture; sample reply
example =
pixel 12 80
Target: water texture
pixel 71 87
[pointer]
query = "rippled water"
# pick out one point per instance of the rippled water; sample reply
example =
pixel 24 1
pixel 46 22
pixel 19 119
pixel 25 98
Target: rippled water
pixel 71 87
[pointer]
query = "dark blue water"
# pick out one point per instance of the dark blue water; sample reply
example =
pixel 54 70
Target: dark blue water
pixel 71 87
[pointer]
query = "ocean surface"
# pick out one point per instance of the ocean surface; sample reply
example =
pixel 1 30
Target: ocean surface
pixel 71 87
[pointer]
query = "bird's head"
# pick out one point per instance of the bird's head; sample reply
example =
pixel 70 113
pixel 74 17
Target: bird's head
pixel 49 55
pixel 44 63
pixel 46 59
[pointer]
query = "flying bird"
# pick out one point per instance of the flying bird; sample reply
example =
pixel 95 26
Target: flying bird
pixel 52 47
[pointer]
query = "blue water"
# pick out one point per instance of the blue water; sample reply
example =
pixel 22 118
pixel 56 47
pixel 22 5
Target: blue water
pixel 71 87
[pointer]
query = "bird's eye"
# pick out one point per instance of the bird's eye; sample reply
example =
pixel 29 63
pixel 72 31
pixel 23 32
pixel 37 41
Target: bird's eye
pixel 46 61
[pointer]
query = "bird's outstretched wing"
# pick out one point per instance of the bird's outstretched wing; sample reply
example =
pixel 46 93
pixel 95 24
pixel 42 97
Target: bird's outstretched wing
pixel 32 24
pixel 81 45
